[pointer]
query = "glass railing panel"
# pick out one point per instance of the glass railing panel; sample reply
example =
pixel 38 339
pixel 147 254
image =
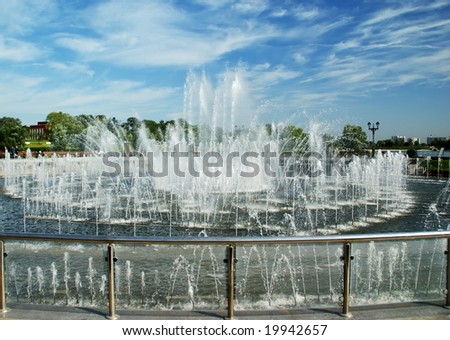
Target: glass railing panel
pixel 56 273
pixel 195 277
pixel 288 276
pixel 169 277
pixel 398 271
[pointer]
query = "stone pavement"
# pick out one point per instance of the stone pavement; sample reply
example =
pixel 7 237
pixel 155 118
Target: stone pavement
pixel 433 310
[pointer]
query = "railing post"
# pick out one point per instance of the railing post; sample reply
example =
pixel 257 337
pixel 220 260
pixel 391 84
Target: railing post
pixel 230 261
pixel 2 279
pixel 111 283
pixel 448 274
pixel 347 257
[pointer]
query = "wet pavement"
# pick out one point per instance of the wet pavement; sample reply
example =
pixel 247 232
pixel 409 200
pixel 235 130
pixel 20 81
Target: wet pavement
pixel 432 310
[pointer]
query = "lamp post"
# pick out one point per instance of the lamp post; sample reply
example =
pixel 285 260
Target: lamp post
pixel 373 127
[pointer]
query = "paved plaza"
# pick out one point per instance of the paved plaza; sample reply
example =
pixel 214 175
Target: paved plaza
pixel 434 310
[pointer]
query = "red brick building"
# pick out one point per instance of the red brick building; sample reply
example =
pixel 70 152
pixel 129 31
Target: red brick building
pixel 39 131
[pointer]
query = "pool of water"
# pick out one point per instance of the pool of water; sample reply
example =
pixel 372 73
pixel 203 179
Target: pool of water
pixel 425 207
pixel 194 277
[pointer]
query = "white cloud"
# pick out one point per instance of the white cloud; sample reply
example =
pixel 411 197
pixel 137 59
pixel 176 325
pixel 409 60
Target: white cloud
pixel 408 78
pixel 277 74
pixel 18 93
pixel 261 67
pixel 419 31
pixel 71 68
pixel 22 16
pixel 17 50
pixel 113 96
pixel 434 66
pixel 348 44
pixel 157 34
pixel 392 48
pixel 213 4
pixel 296 53
pixel 299 58
pixel 81 44
pixel 13 81
pixel 251 6
pixel 31 98
pixel 279 12
pixel 387 14
pixel 303 12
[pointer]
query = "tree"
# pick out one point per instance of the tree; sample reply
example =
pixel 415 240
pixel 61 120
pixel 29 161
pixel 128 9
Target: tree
pixel 353 140
pixel 131 130
pixel 12 133
pixel 154 130
pixel 166 125
pixel 385 143
pixel 295 139
pixel 85 119
pixel 65 131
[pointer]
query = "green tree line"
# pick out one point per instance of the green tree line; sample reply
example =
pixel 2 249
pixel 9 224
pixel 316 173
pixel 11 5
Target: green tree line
pixel 68 133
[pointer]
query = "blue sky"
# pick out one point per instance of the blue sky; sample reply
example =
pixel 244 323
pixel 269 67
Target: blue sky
pixel 337 61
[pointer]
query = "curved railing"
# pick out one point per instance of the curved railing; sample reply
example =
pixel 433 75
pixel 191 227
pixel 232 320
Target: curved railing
pixel 231 244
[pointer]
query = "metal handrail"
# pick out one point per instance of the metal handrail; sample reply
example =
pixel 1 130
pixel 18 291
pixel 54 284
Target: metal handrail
pixel 226 240
pixel 230 243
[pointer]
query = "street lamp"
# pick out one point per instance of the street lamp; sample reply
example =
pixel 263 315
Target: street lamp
pixel 373 127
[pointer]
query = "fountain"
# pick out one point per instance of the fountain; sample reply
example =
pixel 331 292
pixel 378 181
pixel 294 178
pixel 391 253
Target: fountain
pixel 219 177
pixel 223 179
pixel 72 190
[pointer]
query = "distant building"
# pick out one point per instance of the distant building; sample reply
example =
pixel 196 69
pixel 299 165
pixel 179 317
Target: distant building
pixel 415 140
pixel 431 140
pixel 39 131
pixel 397 139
